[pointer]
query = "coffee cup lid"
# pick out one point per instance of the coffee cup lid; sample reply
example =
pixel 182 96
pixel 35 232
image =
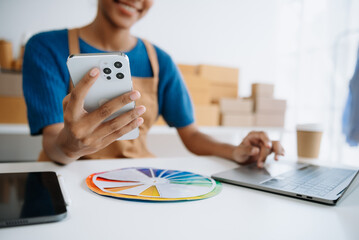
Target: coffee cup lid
pixel 310 127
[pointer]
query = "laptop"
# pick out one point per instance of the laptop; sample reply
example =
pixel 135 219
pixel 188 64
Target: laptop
pixel 300 180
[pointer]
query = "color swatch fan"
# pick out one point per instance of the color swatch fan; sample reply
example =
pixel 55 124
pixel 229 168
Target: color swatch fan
pixel 153 184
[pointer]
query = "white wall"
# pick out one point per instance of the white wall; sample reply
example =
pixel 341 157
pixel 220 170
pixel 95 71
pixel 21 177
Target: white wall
pixel 237 33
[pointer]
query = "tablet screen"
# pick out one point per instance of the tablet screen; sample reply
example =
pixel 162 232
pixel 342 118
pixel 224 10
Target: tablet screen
pixel 29 198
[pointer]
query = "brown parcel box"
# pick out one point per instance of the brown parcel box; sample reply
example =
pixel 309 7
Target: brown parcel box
pixel 269 105
pixel 223 81
pixel 188 69
pixel 198 88
pixel 200 97
pixel 10 84
pixel 219 75
pixel 236 105
pixel 262 90
pixel 12 110
pixel 207 115
pixel 218 91
pixel 239 119
pixel 269 119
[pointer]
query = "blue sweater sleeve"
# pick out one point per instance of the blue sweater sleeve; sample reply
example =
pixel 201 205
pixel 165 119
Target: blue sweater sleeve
pixel 174 101
pixel 44 85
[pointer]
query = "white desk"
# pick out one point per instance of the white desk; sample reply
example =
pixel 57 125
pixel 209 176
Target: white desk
pixel 236 213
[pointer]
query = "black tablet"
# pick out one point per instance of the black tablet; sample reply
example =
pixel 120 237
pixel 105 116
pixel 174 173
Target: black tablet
pixel 30 198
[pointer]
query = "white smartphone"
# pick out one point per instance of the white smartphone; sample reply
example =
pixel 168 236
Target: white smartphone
pixel 113 81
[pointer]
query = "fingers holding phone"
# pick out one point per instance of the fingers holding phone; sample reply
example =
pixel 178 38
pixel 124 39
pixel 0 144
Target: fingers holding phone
pixel 84 132
pixel 101 107
pixel 73 103
pixel 113 80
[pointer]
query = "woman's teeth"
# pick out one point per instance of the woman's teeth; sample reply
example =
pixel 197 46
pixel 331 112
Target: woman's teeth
pixel 128 8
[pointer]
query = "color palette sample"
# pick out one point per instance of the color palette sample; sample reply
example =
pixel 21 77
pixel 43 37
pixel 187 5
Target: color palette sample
pixel 151 184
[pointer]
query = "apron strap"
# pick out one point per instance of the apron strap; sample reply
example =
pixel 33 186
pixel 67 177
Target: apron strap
pixel 74 47
pixel 73 36
pixel 152 55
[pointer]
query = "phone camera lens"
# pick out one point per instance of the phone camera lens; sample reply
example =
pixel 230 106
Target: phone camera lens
pixel 118 64
pixel 107 70
pixel 120 75
pixel 108 78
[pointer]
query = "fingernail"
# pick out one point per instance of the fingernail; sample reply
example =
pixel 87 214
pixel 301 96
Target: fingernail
pixel 135 95
pixel 140 110
pixel 94 72
pixel 260 164
pixel 139 121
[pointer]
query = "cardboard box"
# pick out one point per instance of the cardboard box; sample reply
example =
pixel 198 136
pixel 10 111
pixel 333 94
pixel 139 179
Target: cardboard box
pixel 12 110
pixel 219 75
pixel 262 90
pixel 269 105
pixel 198 88
pixel 196 82
pixel 200 97
pixel 10 84
pixel 218 91
pixel 6 56
pixel 236 105
pixel 207 115
pixel 269 119
pixel 241 120
pixel 188 69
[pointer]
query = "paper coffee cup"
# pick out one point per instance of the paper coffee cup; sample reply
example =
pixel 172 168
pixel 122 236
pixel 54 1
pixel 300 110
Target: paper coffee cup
pixel 309 137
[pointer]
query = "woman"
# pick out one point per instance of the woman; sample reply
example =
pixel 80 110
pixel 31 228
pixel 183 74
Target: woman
pixel 69 132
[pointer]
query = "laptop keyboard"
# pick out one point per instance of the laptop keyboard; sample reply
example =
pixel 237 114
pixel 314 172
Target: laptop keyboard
pixel 311 180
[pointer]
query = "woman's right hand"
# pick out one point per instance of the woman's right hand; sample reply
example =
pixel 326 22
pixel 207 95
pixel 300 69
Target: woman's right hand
pixel 85 133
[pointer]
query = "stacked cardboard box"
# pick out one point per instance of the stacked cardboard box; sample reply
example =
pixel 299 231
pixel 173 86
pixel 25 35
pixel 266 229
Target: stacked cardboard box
pixel 261 109
pixel 199 89
pixel 269 112
pixel 188 69
pixel 205 115
pixel 236 112
pixel 12 103
pixel 223 81
pixel 207 84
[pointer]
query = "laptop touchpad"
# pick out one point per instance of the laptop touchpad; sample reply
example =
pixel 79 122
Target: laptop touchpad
pixel 275 169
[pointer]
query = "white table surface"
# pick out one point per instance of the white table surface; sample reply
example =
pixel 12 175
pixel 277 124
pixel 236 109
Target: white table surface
pixel 235 213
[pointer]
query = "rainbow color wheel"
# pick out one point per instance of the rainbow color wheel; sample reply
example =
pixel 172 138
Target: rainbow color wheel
pixel 151 184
